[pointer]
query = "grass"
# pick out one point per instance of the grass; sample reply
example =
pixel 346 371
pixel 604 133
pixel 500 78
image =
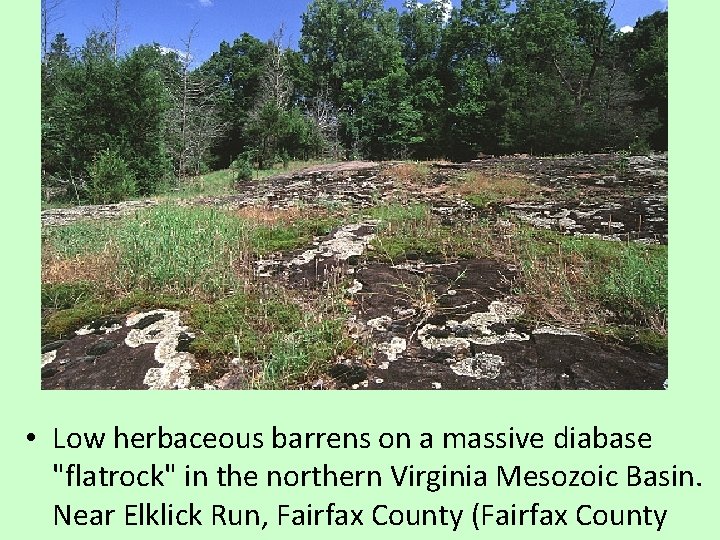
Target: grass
pixel 173 249
pixel 279 340
pixel 412 231
pixel 482 188
pixel 592 280
pixel 198 260
pixel 395 214
pixel 409 174
pixel 614 289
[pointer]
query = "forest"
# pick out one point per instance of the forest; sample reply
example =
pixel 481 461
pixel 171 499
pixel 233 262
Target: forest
pixel 489 77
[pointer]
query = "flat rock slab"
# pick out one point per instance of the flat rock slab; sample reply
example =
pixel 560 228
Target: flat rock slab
pixel 633 218
pixel 139 352
pixel 328 260
pixel 609 196
pixel 322 189
pixel 457 326
pixel 64 216
pixel 341 166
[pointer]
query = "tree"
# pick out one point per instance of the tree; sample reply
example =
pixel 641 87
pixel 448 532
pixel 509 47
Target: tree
pixel 93 103
pixel 644 54
pixel 238 70
pixel 475 49
pixel 48 15
pixel 421 30
pixel 353 52
pixel 195 121
pixel 278 127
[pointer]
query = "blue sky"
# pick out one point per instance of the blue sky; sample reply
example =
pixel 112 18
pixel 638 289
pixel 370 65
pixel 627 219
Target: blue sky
pixel 168 22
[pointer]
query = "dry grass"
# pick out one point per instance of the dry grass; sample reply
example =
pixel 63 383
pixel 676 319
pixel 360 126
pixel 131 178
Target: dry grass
pixel 409 174
pixel 270 216
pixel 494 186
pixel 92 267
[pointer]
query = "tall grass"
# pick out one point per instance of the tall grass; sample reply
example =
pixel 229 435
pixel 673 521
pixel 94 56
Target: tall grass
pixel 182 249
pixel 577 281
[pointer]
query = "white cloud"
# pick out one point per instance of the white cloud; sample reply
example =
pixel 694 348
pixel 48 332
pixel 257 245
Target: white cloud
pixel 206 3
pixel 180 53
pixel 627 29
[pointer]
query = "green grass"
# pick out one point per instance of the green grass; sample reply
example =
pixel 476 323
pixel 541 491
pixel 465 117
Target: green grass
pixel 627 278
pixel 199 260
pixel 617 288
pixel 635 287
pixel 389 214
pixel 213 184
pixel 80 237
pixel 411 230
pixel 173 249
pixel 66 295
pixel 302 354
pixel 278 335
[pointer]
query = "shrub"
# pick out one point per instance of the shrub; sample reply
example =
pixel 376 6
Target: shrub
pixel 243 166
pixel 111 179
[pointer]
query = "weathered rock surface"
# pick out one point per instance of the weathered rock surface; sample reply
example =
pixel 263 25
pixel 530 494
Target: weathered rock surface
pixel 144 351
pixel 429 324
pixel 607 196
pixel 456 326
pixel 63 216
pixel 328 259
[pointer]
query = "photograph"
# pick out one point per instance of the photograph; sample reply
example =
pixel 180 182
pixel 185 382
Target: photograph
pixel 354 195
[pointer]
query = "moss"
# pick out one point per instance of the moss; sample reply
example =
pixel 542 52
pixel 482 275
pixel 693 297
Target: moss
pixel 634 337
pixel 289 236
pixel 278 336
pixel 61 324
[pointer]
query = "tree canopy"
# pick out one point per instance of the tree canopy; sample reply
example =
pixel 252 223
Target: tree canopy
pixel 490 76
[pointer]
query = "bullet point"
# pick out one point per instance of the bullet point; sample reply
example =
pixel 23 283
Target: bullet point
pixel 30 437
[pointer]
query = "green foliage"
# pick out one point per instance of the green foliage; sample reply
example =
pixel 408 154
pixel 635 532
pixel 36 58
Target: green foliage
pixel 92 101
pixel 355 55
pixel 537 76
pixel 66 295
pixel 238 68
pixel 242 165
pixel 270 331
pixel 111 180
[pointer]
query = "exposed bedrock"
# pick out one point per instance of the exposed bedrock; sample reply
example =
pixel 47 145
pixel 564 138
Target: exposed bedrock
pixel 144 351
pixel 458 326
